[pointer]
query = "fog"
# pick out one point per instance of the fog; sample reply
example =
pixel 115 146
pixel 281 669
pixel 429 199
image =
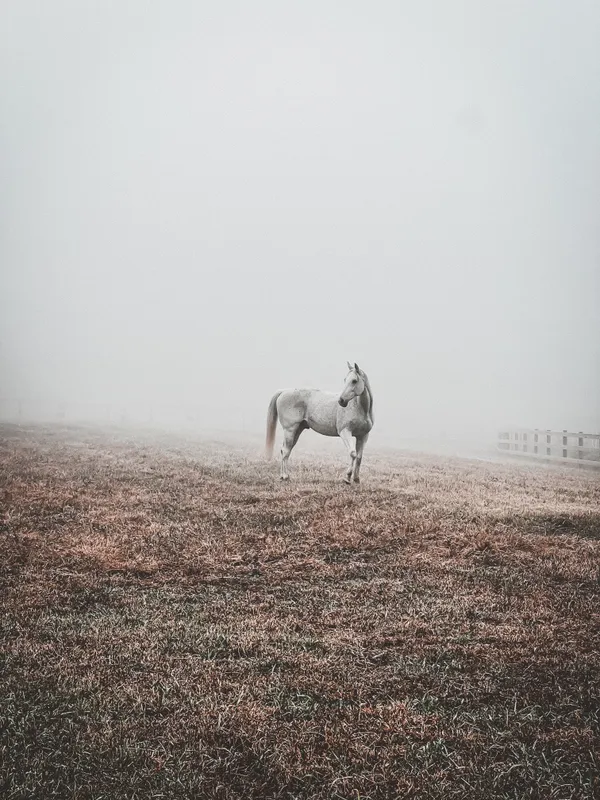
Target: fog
pixel 203 203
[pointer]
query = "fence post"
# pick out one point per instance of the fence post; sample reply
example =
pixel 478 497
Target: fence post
pixel 557 446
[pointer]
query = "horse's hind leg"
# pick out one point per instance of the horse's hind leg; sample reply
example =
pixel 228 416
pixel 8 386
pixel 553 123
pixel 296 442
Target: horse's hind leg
pixel 290 438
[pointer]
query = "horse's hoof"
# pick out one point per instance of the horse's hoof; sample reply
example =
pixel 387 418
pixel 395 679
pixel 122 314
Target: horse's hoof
pixel 356 480
pixel 285 477
pixel 348 481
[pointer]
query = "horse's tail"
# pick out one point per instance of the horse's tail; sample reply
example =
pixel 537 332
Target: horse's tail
pixel 271 424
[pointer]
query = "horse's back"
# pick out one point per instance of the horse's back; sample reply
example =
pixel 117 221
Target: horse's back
pixel 298 400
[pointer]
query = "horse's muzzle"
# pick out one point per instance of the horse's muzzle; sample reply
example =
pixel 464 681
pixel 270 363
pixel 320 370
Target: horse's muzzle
pixel 343 402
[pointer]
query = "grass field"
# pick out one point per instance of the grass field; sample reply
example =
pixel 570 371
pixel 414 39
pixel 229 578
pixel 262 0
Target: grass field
pixel 177 624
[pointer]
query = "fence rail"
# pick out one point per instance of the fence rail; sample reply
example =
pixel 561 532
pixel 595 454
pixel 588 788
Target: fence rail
pixel 570 446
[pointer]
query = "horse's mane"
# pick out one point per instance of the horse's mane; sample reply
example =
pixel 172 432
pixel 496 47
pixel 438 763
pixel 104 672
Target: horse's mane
pixel 365 378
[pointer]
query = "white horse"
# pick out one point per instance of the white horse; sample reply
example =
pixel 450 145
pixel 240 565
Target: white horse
pixel 348 415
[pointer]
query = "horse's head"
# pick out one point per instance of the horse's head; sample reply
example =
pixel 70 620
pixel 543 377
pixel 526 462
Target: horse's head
pixel 353 386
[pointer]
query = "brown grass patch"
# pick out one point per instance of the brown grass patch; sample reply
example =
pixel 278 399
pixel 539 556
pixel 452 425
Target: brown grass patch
pixel 178 624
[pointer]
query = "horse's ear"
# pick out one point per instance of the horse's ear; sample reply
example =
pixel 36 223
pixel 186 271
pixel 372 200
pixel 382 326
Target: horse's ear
pixel 349 365
pixel 356 367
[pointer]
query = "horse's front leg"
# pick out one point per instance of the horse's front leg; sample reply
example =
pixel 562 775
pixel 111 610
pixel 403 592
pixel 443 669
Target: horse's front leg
pixel 360 446
pixel 348 440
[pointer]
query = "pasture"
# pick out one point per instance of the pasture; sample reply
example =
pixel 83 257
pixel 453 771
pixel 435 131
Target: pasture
pixel 177 623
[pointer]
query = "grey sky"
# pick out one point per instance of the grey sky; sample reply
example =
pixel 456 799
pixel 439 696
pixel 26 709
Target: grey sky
pixel 205 202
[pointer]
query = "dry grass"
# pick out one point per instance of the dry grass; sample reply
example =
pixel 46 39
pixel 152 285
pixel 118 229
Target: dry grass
pixel 176 624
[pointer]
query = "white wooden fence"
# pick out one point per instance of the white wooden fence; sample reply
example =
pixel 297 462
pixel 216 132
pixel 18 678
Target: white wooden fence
pixel 565 446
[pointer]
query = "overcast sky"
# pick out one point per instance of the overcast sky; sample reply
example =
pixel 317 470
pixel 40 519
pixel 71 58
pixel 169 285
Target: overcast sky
pixel 202 203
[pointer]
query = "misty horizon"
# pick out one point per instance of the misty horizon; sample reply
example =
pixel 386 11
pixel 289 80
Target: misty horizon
pixel 205 205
